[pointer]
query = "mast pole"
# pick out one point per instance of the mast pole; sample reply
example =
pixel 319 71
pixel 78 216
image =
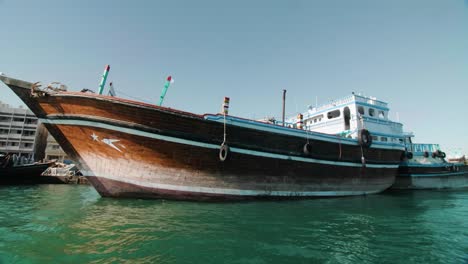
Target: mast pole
pixel 284 103
pixel 169 80
pixel 103 79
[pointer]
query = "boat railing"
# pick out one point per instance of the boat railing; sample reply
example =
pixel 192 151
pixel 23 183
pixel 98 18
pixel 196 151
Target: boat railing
pixel 420 148
pixel 370 100
pixel 333 103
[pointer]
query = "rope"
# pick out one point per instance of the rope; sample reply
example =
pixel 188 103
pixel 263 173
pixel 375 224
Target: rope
pixel 224 137
pixel 363 160
pixel 136 98
pixel 339 142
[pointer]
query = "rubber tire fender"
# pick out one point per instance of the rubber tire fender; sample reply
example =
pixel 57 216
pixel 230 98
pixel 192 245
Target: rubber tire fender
pixel 364 138
pixel 307 148
pixel 409 155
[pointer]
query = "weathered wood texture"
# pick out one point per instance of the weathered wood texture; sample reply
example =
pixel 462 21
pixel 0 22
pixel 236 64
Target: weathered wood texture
pixel 150 162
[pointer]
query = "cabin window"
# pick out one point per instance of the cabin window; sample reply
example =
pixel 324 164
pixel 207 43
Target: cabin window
pixel 375 138
pixel 381 114
pixel 333 114
pixel 401 140
pixel 371 111
pixel 383 139
pixel 317 118
pixel 360 110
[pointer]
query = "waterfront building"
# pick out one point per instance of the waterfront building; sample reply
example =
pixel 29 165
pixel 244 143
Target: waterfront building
pixel 20 133
pixel 53 150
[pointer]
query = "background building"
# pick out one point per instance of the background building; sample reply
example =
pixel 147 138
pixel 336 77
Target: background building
pixel 22 134
pixel 53 150
pixel 19 131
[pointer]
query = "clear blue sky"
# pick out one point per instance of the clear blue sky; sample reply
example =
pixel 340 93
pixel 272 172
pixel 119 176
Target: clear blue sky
pixel 412 54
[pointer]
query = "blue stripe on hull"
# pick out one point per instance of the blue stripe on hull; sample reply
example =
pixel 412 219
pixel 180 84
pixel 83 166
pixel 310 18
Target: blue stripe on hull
pixel 205 145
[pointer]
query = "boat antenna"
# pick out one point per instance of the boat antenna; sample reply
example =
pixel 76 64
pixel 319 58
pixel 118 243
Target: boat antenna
pixel 104 78
pixel 284 103
pixel 169 80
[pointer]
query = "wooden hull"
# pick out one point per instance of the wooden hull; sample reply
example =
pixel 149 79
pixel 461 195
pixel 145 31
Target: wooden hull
pixel 440 176
pixel 160 168
pixel 131 149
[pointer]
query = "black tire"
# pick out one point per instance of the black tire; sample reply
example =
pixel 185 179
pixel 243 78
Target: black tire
pixel 442 155
pixel 409 155
pixel 307 148
pixel 364 138
pixel 223 152
pixel 403 156
pixel 434 154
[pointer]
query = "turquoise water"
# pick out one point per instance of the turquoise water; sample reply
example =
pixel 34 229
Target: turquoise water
pixel 72 224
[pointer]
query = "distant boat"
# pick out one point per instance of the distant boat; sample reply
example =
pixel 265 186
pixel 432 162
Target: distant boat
pixel 132 149
pixel 422 166
pixel 64 173
pixel 19 173
pixel 425 167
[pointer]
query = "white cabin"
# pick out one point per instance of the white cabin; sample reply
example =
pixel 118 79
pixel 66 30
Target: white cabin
pixel 346 116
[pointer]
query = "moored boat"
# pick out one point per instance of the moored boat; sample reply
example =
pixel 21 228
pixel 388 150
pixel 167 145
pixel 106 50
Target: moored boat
pixel 132 149
pixel 424 167
pixel 13 172
pixel 64 173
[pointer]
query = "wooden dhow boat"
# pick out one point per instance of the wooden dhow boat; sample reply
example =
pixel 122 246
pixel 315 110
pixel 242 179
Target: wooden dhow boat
pixel 133 149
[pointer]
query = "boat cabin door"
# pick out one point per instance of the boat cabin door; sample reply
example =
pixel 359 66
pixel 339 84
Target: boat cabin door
pixel 347 118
